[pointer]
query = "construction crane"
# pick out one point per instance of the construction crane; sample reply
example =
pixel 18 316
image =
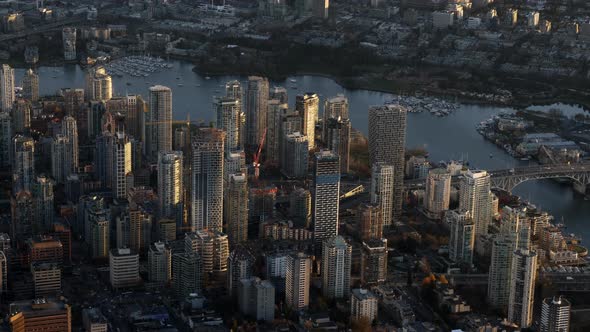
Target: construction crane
pixel 256 159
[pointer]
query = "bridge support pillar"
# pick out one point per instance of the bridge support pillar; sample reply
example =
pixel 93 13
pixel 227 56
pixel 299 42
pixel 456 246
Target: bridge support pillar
pixel 580 188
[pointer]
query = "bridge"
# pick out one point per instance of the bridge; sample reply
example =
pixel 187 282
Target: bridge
pixel 508 179
pixel 41 28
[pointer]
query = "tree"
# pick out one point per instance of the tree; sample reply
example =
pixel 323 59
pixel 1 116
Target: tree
pixel 361 325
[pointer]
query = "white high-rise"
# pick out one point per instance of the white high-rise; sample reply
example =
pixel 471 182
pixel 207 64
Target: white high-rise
pixel 207 180
pixel 99 84
pixel 256 109
pixel 297 281
pixel 382 190
pixel 23 166
pixel 7 87
pixel 387 140
pixel 31 86
pixel 295 156
pixel 69 129
pixel 334 108
pixel 514 234
pixel 158 121
pixel 160 263
pixel 499 273
pixel 336 260
pixel 475 196
pixel 438 192
pixel 124 268
pixel 121 167
pixel 555 315
pixel 462 240
pixel 308 107
pixel 170 186
pixel 363 305
pixel 522 287
pixel 228 111
pixel 326 196
pixel 212 247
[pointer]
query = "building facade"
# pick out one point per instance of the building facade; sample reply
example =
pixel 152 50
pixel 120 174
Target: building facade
pixel 207 180
pixel 171 186
pixel 363 305
pixel 462 240
pixel 522 287
pixel 124 268
pixel 297 281
pixel 555 315
pixel 158 121
pixel 475 196
pixel 382 190
pixel 235 207
pixel 307 105
pixel 387 140
pixel 256 108
pixel 336 262
pixel 326 196
pixel 438 192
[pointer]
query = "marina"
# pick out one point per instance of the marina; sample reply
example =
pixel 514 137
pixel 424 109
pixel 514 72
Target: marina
pixel 433 105
pixel 136 66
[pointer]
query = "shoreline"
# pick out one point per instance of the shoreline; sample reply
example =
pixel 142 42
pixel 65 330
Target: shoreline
pixel 352 83
pixel 514 104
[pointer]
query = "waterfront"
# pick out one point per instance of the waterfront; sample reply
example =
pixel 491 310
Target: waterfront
pixel 450 137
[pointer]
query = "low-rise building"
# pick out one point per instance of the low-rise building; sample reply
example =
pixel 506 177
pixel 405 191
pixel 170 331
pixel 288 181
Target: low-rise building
pixel 363 305
pixel 124 268
pixel 94 320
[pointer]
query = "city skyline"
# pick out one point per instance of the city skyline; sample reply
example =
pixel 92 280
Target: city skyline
pixel 382 165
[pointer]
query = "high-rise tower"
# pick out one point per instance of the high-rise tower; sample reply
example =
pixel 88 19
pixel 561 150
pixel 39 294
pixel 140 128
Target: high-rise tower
pixel 99 84
pixel 382 190
pixel 235 207
pixel 159 121
pixel 31 86
pixel 298 280
pixel 256 108
pixel 522 287
pixel 336 260
pixel 475 196
pixel 555 315
pixel 326 196
pixel 23 167
pixel 207 180
pixel 387 140
pixel 308 107
pixel 170 186
pixel 228 112
pixel 438 192
pixel 7 87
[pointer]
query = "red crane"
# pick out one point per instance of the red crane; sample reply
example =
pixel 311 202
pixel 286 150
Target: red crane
pixel 256 160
